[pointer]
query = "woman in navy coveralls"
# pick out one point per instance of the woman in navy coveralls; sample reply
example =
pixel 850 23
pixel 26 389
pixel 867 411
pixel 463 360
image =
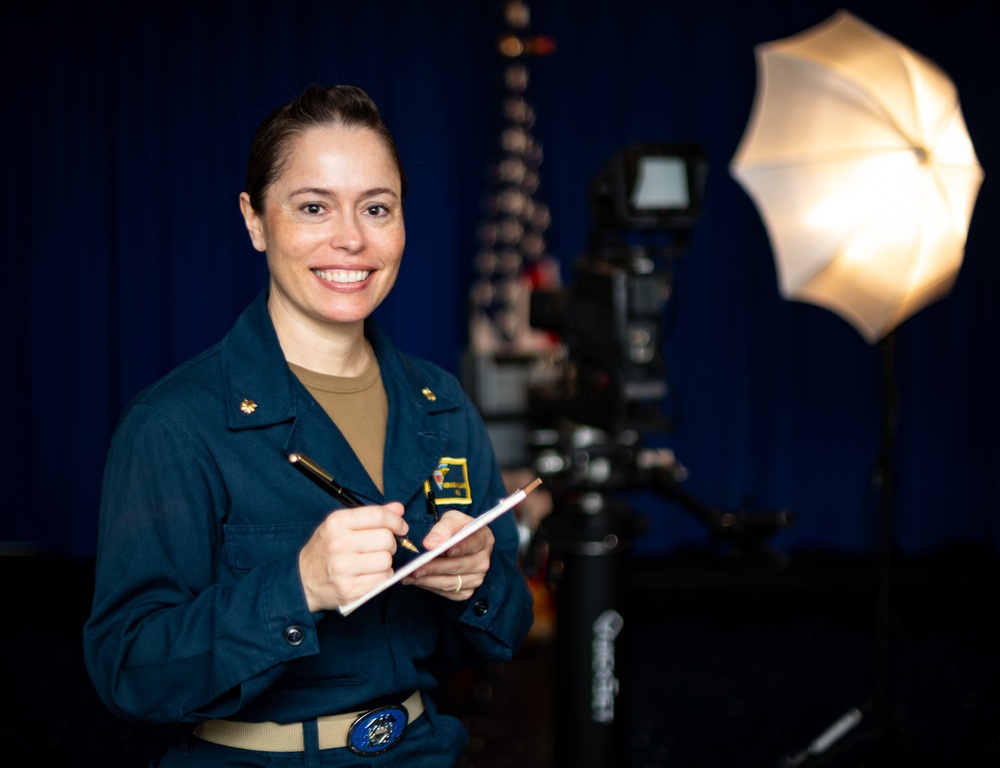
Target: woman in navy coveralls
pixel 220 568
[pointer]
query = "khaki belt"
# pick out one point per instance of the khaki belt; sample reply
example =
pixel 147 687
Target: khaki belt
pixel 276 737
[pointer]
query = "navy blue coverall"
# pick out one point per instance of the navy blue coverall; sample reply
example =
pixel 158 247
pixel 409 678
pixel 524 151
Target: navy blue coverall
pixel 199 611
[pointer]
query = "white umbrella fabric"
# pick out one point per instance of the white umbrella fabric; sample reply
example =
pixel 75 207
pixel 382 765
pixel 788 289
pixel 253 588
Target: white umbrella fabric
pixel 858 159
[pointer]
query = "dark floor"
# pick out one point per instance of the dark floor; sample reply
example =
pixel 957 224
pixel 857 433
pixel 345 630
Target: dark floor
pixel 726 666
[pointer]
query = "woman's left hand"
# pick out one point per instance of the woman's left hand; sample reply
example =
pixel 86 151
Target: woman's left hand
pixel 456 573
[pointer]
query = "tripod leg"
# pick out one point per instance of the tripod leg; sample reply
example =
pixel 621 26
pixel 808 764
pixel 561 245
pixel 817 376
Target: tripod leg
pixel 825 740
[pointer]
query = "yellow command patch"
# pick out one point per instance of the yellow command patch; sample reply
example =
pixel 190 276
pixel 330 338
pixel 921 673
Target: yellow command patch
pixel 450 482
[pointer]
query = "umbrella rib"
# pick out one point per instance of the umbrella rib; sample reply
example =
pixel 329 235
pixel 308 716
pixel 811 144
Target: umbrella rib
pixel 849 79
pixel 830 156
pixel 905 58
pixel 898 53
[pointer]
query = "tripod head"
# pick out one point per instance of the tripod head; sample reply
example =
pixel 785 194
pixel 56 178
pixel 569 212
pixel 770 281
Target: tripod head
pixel 582 464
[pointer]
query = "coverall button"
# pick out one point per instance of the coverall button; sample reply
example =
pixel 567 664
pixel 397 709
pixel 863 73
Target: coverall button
pixel 481 608
pixel 294 635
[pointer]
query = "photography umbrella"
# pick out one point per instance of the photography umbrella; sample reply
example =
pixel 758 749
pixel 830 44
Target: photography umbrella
pixel 859 161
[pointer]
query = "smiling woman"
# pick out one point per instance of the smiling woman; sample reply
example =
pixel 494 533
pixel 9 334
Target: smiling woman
pixel 332 228
pixel 235 564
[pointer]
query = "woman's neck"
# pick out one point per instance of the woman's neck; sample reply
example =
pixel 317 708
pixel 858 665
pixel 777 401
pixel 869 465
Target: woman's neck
pixel 336 350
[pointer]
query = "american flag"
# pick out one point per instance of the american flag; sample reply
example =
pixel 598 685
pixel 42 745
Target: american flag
pixel 511 257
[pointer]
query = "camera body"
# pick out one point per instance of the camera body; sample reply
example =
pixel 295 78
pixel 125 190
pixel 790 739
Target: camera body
pixel 614 374
pixel 644 203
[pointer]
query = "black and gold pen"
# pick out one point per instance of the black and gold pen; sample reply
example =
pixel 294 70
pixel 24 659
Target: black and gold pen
pixel 325 480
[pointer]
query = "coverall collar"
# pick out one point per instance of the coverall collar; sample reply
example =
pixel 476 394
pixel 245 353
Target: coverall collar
pixel 262 391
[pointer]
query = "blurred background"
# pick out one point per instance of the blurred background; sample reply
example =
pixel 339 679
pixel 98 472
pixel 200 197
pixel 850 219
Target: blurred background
pixel 124 140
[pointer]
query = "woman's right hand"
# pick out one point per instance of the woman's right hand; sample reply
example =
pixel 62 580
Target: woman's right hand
pixel 349 554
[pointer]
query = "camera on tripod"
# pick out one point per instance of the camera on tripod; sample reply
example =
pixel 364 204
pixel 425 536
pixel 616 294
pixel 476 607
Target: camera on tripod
pixel 592 417
pixel 644 204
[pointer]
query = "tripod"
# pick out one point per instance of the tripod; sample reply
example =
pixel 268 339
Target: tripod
pixel 879 720
pixel 587 536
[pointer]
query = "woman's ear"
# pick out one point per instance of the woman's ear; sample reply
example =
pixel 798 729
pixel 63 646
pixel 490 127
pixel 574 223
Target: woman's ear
pixel 255 224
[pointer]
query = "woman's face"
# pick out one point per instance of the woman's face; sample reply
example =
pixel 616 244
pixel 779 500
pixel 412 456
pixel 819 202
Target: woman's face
pixel 332 227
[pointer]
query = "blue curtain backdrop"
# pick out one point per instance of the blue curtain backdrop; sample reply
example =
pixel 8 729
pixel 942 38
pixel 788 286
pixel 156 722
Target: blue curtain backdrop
pixel 125 132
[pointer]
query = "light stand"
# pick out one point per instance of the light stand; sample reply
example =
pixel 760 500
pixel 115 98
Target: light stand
pixel 879 719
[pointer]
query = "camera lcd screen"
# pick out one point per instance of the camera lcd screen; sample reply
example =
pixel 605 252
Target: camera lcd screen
pixel 660 184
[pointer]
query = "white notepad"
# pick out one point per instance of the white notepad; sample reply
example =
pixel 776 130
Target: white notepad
pixel 484 519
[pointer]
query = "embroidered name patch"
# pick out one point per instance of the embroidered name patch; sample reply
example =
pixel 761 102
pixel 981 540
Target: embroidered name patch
pixel 450 482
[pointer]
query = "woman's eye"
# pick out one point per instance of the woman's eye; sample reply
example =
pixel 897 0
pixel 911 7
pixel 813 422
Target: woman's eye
pixel 376 210
pixel 312 208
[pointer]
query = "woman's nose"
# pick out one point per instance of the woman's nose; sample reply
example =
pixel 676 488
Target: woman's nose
pixel 348 233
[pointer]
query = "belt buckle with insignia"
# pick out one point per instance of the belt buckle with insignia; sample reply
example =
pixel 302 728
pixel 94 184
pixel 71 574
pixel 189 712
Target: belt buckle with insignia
pixel 378 730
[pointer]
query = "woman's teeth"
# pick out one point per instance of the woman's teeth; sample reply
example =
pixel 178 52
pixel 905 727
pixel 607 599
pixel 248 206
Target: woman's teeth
pixel 342 275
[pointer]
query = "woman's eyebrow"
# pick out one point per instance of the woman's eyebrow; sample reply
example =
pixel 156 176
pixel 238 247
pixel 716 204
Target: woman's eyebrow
pixel 311 191
pixel 321 192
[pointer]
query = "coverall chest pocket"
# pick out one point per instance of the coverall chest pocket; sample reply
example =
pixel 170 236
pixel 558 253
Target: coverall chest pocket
pixel 251 546
pixel 354 648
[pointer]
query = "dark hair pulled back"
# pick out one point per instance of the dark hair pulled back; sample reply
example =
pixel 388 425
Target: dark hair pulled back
pixel 338 104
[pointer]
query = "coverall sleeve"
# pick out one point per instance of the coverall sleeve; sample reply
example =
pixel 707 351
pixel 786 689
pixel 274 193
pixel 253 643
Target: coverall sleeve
pixel 173 636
